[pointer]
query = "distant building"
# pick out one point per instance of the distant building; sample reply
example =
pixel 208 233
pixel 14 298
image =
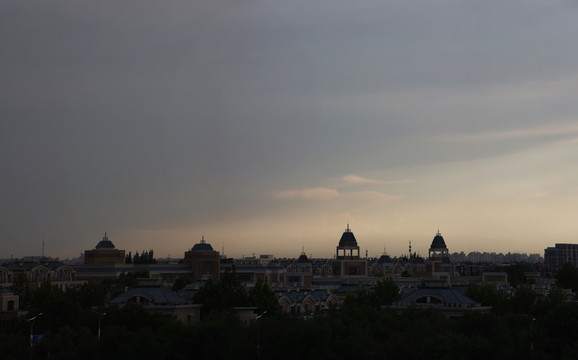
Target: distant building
pixel 204 261
pixel 104 254
pixel 556 257
pixel 299 273
pixel 347 260
pixel 37 271
pixel 9 306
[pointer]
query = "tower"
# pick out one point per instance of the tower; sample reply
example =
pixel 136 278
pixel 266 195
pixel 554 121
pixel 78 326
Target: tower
pixel 204 261
pixel 104 253
pixel 439 260
pixel 347 260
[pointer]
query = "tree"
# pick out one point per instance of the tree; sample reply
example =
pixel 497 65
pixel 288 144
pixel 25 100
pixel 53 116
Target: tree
pixel 386 292
pixel 567 277
pixel 21 287
pixel 264 299
pixel 222 295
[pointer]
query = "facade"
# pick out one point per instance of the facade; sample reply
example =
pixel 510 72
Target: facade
pixel 203 261
pixel 555 257
pixel 9 306
pixel 300 273
pixel 385 266
pixel 305 303
pixel 104 254
pixel 36 271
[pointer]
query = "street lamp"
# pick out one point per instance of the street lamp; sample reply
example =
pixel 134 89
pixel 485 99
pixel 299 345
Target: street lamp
pixel 32 328
pixel 258 335
pixel 99 321
pixel 532 334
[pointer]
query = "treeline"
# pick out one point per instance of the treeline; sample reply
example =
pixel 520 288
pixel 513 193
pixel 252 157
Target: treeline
pixel 146 257
pixel 521 326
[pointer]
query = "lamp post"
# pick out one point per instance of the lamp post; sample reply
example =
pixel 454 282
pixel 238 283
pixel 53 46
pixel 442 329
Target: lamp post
pixel 258 335
pixel 532 334
pixel 99 321
pixel 32 328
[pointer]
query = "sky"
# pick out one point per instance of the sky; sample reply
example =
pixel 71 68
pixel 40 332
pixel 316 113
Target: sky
pixel 267 126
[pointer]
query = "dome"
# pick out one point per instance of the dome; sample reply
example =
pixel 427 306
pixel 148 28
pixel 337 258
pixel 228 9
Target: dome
pixel 438 241
pixel 105 243
pixel 347 239
pixel 384 259
pixel 202 246
pixel 303 258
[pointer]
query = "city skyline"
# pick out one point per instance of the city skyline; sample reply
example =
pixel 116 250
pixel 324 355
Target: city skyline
pixel 272 125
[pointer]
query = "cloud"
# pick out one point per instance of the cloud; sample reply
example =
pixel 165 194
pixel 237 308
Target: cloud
pixel 567 128
pixel 370 196
pixel 319 193
pixel 353 179
pixel 322 193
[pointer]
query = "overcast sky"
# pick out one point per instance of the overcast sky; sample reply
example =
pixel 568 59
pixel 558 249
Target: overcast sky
pixel 268 125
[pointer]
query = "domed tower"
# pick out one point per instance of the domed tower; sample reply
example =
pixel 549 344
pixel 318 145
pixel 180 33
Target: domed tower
pixel 104 254
pixel 204 261
pixel 439 261
pixel 347 261
pixel 347 248
pixel 438 247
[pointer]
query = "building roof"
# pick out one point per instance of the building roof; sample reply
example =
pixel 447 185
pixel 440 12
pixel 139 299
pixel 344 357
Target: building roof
pixel 448 295
pixel 347 239
pixel 105 243
pixel 438 241
pixel 153 292
pixel 202 246
pixel 303 258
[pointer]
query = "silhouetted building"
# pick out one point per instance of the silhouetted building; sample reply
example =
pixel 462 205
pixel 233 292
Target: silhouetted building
pixel 104 254
pixel 556 257
pixel 204 261
pixel 439 260
pixel 347 260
